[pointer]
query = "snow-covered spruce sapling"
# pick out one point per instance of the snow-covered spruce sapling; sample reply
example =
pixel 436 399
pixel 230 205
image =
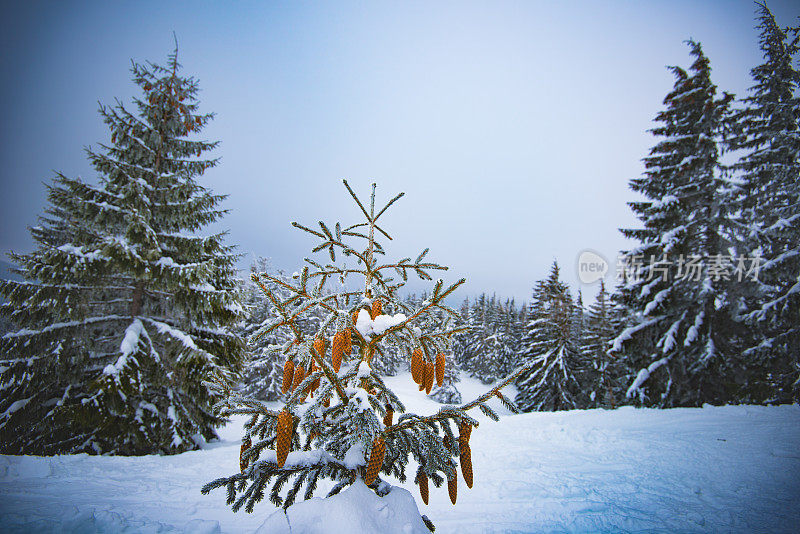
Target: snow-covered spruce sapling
pixel 338 421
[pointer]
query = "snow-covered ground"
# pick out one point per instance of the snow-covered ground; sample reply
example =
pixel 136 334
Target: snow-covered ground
pixel 723 469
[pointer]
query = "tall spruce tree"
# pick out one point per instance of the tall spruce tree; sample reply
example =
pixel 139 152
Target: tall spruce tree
pixel 769 214
pixel 124 309
pixel 347 431
pixel 550 350
pixel 683 338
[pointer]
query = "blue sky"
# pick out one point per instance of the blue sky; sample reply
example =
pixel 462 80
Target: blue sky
pixel 513 127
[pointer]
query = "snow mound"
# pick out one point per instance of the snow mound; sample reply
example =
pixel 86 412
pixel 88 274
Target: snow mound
pixel 356 509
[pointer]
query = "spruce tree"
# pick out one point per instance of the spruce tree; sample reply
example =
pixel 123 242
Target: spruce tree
pixel 768 131
pixel 124 308
pixel 341 421
pixel 602 370
pixel 683 338
pixel 550 350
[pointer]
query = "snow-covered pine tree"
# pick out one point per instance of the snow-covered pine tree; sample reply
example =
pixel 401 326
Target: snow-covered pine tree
pixel 602 372
pixel 578 319
pixel 472 339
pixel 683 337
pixel 488 349
pixel 447 392
pixel 769 214
pixel 124 309
pixel 353 427
pixel 549 349
pixel 262 376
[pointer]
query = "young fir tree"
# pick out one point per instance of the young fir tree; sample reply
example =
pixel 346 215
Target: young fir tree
pixel 676 289
pixel 602 371
pixel 124 309
pixel 769 214
pixel 341 421
pixel 550 350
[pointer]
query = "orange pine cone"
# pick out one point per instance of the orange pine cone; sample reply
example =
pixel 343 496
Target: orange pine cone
pixel 464 431
pixel 387 419
pixel 452 488
pixel 429 372
pixel 440 369
pixel 283 440
pixel 466 462
pixel 422 480
pixel 319 346
pixel 417 366
pixel 288 375
pixel 375 459
pixel 377 308
pixel 315 386
pixel 299 375
pixel 337 350
pixel 355 317
pixel 347 336
pixel 245 445
pixel 422 387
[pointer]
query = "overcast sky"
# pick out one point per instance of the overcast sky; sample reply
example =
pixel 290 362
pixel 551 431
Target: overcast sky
pixel 513 127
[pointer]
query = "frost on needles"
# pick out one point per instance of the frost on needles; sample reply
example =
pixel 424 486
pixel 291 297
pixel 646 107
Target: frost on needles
pixel 124 308
pixel 340 421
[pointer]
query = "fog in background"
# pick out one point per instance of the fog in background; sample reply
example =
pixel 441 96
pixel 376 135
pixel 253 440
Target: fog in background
pixel 513 127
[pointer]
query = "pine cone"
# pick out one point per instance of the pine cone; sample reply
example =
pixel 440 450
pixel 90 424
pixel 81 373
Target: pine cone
pixel 466 462
pixel 299 375
pixel 440 369
pixel 417 366
pixel 429 372
pixel 375 459
pixel 355 317
pixel 377 308
pixel 288 375
pixel 452 488
pixel 387 419
pixel 446 442
pixel 283 439
pixel 347 335
pixel 245 445
pixel 315 386
pixel 319 346
pixel 464 431
pixel 337 350
pixel 422 480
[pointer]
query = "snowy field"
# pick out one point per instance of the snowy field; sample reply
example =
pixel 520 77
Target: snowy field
pixel 726 469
